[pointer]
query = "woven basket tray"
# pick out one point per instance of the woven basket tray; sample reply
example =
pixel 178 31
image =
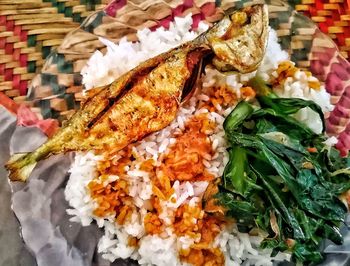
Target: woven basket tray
pixel 332 17
pixel 29 30
pixel 34 30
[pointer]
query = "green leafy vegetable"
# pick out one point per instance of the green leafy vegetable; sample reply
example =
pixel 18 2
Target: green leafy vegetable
pixel 235 175
pixel 260 87
pixel 288 106
pixel 246 211
pixel 242 111
pixel 272 180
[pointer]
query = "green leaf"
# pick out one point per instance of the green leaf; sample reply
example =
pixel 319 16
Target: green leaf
pixel 317 199
pixel 333 233
pixel 296 154
pixel 278 203
pixel 286 124
pixel 260 87
pixel 288 106
pixel 242 111
pixel 309 226
pixel 235 175
pixel 272 243
pixel 242 210
pixel 283 106
pixel 304 253
pixel 262 220
pixel 273 182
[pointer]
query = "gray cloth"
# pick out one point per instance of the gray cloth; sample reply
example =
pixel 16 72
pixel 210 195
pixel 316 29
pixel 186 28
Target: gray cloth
pixel 39 206
pixel 12 249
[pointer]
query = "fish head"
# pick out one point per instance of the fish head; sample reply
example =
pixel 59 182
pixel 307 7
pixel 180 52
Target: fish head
pixel 239 40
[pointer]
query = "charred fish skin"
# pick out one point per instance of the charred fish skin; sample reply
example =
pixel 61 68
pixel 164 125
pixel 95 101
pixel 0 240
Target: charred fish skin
pixel 146 99
pixel 109 122
pixel 235 51
pixel 149 106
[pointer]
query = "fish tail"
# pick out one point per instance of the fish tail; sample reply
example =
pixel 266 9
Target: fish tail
pixel 20 166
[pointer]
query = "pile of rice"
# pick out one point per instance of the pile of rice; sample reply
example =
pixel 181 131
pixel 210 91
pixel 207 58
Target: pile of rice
pixel 238 248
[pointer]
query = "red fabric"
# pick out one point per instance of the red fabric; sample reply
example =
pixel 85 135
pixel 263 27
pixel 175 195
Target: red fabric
pixel 8 48
pixel 334 84
pixel 208 9
pixel 23 59
pixel 114 6
pixel 9 104
pixel 196 19
pixel 319 5
pixel 2 20
pixel 164 23
pixel 25 117
pixel 343 144
pixel 16 54
pixel 2 69
pixel 16 82
pixel 17 30
pixel 23 36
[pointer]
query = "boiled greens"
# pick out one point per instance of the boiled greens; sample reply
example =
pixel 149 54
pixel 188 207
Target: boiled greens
pixel 282 178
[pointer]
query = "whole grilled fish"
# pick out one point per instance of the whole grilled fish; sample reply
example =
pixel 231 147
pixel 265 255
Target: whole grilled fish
pixel 146 99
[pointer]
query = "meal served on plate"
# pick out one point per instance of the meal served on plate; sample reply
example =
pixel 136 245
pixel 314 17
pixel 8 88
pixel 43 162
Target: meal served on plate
pixel 180 168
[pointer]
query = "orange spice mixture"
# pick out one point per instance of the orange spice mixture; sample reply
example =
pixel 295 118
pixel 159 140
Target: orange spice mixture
pixel 194 222
pixel 113 198
pixel 153 224
pixel 184 161
pixel 288 69
pixel 224 96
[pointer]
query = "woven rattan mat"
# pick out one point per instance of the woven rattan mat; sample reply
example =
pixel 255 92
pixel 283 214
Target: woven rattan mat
pixel 29 30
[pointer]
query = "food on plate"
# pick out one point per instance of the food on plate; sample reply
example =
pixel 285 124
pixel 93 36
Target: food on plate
pixel 241 172
pixel 146 99
pixel 188 194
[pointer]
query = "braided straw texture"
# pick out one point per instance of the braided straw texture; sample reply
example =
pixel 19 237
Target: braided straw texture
pixel 29 30
pixel 332 17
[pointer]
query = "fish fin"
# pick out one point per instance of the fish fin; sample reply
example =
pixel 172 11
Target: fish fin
pixel 20 167
pixel 16 157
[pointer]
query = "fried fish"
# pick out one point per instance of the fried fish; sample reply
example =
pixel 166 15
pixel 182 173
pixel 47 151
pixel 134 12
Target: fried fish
pixel 146 99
